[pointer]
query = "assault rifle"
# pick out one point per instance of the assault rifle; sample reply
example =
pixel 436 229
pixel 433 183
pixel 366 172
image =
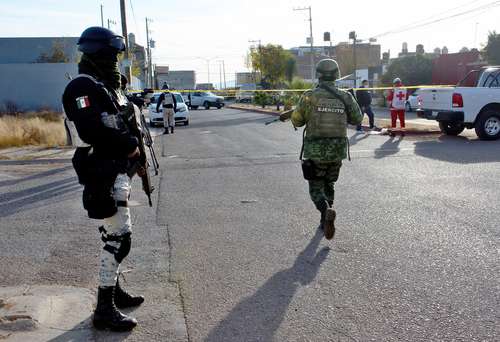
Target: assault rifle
pixel 136 124
pixel 286 115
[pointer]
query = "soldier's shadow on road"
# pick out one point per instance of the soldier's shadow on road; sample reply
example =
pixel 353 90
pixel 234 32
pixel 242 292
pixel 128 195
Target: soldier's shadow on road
pixel 390 147
pixel 257 318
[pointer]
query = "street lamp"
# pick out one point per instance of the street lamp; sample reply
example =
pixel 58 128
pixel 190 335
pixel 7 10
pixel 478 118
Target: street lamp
pixel 208 64
pixel 327 38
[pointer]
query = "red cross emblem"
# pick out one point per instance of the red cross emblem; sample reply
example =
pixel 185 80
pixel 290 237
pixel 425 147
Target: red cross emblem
pixel 400 96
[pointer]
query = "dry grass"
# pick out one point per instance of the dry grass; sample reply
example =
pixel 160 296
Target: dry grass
pixel 32 129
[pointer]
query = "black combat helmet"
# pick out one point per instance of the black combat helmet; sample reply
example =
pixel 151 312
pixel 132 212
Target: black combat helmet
pixel 95 39
pixel 327 70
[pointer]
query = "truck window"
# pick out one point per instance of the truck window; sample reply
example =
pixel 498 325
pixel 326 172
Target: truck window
pixel 492 81
pixel 471 79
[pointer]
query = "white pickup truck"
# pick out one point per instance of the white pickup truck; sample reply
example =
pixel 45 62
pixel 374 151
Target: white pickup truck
pixel 473 103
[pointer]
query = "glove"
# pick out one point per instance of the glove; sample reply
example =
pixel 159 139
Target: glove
pixel 286 115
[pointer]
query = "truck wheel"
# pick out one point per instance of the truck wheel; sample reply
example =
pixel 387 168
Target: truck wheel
pixel 194 107
pixel 206 105
pixel 488 125
pixel 186 123
pixel 451 128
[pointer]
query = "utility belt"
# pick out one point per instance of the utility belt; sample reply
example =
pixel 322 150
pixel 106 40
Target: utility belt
pixel 168 105
pixel 98 176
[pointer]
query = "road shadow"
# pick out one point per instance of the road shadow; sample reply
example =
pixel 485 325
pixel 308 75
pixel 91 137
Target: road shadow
pixel 231 122
pixel 17 201
pixel 34 176
pixel 257 317
pixel 388 148
pixel 460 150
pixel 357 137
pixel 84 331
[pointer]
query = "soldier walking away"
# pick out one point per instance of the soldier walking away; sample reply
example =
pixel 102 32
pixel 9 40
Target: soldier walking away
pixel 397 98
pixel 93 103
pixel 169 104
pixel 364 98
pixel 325 112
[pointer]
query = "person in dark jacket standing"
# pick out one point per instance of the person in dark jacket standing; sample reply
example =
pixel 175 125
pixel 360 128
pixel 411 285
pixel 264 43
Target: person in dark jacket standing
pixel 94 106
pixel 364 98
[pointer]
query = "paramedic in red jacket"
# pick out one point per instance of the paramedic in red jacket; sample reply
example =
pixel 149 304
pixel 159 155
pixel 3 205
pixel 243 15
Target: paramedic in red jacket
pixel 397 99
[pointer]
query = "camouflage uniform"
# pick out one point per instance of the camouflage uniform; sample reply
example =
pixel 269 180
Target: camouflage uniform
pixel 325 117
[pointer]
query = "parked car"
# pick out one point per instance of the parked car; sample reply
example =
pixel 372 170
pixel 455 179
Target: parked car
pixel 246 93
pixel 473 103
pixel 412 104
pixel 181 114
pixel 206 99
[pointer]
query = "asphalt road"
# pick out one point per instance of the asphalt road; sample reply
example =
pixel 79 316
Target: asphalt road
pixel 415 258
pixel 231 253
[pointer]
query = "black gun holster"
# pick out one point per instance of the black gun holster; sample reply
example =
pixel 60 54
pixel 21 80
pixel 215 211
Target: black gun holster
pixel 309 170
pixel 98 177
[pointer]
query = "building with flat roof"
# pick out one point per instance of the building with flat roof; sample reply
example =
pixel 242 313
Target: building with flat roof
pixel 248 77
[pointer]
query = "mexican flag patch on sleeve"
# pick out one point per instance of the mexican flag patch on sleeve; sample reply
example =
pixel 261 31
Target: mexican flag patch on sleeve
pixel 83 102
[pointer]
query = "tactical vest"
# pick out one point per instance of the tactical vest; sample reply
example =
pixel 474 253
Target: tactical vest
pixel 168 101
pixel 328 117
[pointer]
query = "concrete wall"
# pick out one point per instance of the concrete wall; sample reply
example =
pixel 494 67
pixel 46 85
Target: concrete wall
pixel 27 50
pixel 32 86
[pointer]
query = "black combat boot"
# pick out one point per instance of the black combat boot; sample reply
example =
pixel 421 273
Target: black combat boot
pixel 172 129
pixel 125 300
pixel 107 316
pixel 166 131
pixel 329 225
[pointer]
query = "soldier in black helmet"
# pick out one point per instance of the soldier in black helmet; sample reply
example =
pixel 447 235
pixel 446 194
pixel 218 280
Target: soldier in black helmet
pixel 93 104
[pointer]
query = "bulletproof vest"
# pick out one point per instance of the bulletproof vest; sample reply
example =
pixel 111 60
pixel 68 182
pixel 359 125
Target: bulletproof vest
pixel 328 117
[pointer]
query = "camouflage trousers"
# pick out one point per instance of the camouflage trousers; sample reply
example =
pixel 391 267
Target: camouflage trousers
pixel 322 190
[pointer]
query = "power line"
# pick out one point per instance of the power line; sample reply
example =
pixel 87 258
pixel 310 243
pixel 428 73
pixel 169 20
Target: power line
pixel 431 22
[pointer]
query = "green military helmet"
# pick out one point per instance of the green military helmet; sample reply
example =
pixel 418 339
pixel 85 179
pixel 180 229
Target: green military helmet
pixel 327 70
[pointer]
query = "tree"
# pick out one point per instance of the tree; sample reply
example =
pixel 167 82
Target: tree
pixel 492 49
pixel 57 54
pixel 273 62
pixel 413 70
pixel 464 49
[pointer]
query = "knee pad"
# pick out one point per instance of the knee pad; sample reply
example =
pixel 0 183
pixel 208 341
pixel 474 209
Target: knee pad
pixel 118 245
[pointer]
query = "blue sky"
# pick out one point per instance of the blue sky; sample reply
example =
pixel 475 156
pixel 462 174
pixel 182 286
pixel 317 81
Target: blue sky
pixel 189 29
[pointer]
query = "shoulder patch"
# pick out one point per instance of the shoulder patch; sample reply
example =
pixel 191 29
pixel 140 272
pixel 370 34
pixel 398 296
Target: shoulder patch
pixel 82 102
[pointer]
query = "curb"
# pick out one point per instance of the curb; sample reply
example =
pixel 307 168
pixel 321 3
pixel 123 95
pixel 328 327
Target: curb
pixel 256 110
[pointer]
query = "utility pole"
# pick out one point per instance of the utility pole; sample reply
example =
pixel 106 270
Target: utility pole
pixel 128 69
pixel 224 73
pixel 223 65
pixel 259 48
pixel 149 76
pixel 311 41
pixel 354 37
pixel 102 16
pixel 220 75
